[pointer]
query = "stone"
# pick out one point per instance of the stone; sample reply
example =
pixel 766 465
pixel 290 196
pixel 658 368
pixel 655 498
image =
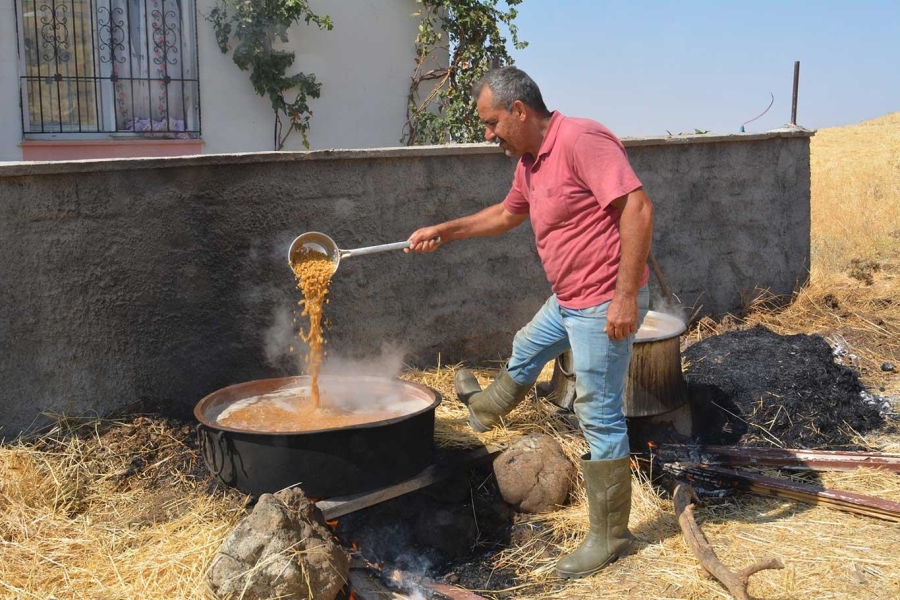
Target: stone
pixel 283 549
pixel 534 475
pixel 887 366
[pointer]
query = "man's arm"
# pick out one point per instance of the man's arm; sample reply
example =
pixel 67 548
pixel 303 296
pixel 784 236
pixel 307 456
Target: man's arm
pixel 494 220
pixel 635 233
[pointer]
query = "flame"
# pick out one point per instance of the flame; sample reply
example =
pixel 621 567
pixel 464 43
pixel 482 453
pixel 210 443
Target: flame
pixel 353 546
pixel 353 595
pixel 332 524
pixel 652 445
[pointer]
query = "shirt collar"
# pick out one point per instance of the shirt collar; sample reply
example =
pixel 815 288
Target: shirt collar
pixel 549 140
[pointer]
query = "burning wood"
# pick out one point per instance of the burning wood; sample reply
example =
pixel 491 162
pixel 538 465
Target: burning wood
pixel 780 488
pixel 736 583
pixel 370 582
pixel 782 458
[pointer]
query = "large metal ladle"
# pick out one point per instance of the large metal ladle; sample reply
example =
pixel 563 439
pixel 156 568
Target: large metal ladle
pixel 321 243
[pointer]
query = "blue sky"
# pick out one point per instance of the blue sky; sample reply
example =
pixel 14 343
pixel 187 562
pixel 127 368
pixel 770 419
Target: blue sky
pixel 644 67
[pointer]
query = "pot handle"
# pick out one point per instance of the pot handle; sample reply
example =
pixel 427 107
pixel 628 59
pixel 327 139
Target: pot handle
pixel 213 449
pixel 564 363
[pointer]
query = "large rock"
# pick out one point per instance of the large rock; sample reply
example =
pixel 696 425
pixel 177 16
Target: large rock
pixel 533 474
pixel 283 549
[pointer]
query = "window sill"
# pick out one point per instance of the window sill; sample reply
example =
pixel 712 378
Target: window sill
pixel 84 149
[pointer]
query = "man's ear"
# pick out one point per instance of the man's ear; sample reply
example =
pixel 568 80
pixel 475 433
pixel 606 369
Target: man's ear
pixel 518 110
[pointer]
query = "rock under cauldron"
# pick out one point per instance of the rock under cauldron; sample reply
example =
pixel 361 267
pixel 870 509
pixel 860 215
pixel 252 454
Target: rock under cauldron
pixel 283 549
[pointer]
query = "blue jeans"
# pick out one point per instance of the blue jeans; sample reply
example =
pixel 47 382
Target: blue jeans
pixel 600 366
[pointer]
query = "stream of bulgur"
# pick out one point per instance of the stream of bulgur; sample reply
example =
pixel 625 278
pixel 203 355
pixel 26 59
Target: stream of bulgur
pixel 313 271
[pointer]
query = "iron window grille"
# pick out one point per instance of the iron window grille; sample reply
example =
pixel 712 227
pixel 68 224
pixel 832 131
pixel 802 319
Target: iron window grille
pixel 114 67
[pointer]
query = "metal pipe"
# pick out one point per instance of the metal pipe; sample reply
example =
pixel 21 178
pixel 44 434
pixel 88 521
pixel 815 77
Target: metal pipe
pixel 796 85
pixel 666 290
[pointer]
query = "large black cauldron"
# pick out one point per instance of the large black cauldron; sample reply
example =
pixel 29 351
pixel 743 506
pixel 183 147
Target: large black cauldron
pixel 324 463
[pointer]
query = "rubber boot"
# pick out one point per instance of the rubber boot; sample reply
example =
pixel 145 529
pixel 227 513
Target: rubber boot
pixel 488 406
pixel 608 485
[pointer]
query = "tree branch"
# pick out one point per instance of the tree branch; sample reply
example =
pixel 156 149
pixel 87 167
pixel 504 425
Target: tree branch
pixel 736 583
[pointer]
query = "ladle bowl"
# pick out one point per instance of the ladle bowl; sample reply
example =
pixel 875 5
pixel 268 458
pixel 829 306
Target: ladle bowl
pixel 314 241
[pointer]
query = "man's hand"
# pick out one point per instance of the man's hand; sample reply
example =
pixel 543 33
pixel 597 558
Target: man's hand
pixel 426 239
pixel 621 317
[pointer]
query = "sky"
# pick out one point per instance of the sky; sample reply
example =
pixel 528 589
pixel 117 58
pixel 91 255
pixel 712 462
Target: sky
pixel 647 67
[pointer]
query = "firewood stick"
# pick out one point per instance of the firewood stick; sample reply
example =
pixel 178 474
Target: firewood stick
pixel 454 593
pixel 736 583
pixel 834 504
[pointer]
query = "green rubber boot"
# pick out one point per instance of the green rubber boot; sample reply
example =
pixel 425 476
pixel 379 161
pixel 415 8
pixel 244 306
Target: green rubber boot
pixel 608 484
pixel 488 406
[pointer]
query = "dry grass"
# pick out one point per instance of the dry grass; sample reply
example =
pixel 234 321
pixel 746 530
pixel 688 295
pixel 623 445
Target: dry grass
pixel 74 525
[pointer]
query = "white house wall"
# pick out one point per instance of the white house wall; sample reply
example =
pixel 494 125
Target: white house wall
pixel 364 65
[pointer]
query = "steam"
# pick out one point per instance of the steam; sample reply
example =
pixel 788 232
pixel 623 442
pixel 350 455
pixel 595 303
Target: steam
pixel 347 384
pixel 387 364
pixel 661 304
pixel 281 336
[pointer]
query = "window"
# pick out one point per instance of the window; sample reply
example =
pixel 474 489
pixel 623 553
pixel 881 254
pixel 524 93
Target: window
pixel 126 67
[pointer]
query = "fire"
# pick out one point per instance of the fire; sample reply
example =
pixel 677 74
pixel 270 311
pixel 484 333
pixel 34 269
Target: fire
pixel 332 524
pixel 652 445
pixel 353 546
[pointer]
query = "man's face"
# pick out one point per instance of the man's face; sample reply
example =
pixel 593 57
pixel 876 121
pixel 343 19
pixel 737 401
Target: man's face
pixel 500 125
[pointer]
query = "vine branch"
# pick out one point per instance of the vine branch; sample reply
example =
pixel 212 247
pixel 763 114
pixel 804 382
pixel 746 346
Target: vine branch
pixel 255 27
pixel 439 106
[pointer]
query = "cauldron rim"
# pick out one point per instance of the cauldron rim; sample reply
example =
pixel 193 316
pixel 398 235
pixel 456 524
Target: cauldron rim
pixel 678 325
pixel 204 403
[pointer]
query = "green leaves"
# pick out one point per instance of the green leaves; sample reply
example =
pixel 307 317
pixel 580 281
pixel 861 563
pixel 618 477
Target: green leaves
pixel 254 26
pixel 440 108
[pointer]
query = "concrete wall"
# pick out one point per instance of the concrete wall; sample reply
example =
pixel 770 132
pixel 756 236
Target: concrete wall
pixel 166 279
pixel 364 64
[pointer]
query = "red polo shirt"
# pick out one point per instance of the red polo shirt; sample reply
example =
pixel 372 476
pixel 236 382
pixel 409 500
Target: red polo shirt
pixel 567 190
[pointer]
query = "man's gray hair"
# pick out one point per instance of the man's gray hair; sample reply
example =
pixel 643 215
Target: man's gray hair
pixel 509 84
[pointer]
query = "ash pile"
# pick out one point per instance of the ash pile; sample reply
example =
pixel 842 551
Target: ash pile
pixel 788 390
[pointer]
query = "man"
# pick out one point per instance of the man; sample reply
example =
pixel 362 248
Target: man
pixel 592 223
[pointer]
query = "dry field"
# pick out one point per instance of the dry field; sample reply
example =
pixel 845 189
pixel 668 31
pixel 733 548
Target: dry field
pixel 116 512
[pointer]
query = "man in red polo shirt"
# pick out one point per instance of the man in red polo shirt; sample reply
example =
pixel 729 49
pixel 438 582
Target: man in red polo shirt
pixel 592 225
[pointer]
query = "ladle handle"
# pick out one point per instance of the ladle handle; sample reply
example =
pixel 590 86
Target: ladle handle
pixel 374 249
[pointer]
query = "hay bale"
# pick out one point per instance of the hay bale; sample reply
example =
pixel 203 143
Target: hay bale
pixel 533 474
pixel 283 549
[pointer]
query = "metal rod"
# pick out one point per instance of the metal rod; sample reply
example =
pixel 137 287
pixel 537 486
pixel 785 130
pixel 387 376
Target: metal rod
pixel 667 291
pixel 78 18
pixel 57 76
pixel 95 63
pixel 148 24
pixel 163 40
pixel 37 56
pixel 794 97
pixel 129 52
